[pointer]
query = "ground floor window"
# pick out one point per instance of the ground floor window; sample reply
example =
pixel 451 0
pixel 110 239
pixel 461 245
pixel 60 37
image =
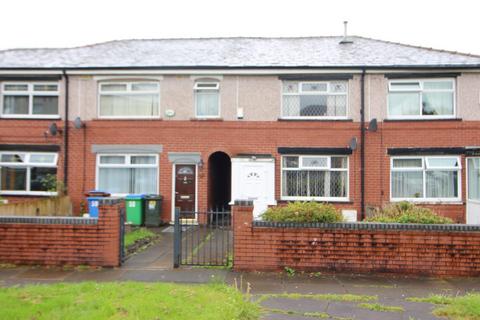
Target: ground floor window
pixel 425 178
pixel 122 174
pixel 315 177
pixel 28 173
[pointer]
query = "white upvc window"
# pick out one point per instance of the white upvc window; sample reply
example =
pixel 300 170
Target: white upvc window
pixel 421 99
pixel 122 174
pixel 314 99
pixel 207 99
pixel 321 178
pixel 427 179
pixel 30 100
pixel 28 173
pixel 127 100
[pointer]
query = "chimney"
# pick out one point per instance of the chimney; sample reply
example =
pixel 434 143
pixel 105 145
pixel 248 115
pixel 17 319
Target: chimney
pixel 345 39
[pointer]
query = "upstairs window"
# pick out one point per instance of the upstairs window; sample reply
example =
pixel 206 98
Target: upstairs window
pixel 207 99
pixel 122 174
pixel 30 100
pixel 410 99
pixel 314 99
pixel 129 100
pixel 425 178
pixel 28 173
pixel 320 178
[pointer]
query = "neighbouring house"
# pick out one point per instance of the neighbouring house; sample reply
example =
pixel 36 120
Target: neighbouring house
pixel 353 121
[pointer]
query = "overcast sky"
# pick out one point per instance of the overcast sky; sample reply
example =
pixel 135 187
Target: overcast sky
pixel 450 25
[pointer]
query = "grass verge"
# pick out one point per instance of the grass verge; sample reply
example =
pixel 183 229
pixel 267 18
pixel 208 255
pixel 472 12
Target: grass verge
pixel 465 307
pixel 125 300
pixel 380 307
pixel 136 235
pixel 329 297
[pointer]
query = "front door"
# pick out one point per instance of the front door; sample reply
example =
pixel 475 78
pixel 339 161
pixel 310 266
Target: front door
pixel 254 179
pixel 473 190
pixel 185 189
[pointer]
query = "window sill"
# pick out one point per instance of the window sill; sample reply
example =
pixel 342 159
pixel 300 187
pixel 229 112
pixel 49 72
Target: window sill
pixel 346 201
pixel 3 117
pixel 422 119
pixel 128 119
pixel 28 194
pixel 316 119
pixel 431 202
pixel 217 119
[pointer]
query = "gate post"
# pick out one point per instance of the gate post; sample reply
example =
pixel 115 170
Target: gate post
pixel 177 239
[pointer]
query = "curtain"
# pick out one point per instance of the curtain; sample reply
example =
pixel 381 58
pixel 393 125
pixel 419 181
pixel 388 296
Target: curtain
pixel 13 178
pixel 474 179
pixel 403 103
pixel 437 103
pixel 407 184
pixel 144 180
pixel 114 180
pixel 207 103
pixel 442 184
pixel 291 106
pixel 129 105
pixel 15 104
pixel 45 105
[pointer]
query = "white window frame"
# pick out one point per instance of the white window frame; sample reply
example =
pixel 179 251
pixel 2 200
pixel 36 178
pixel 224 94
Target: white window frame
pixel 420 91
pixel 128 91
pixel 306 168
pixel 216 87
pixel 126 165
pixel 424 170
pixel 328 92
pixel 28 165
pixel 30 93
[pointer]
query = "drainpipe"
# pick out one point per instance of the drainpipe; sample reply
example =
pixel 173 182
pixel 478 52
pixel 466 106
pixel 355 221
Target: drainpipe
pixel 362 145
pixel 65 135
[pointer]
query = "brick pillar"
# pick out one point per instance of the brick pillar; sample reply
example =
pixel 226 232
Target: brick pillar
pixel 109 223
pixel 242 212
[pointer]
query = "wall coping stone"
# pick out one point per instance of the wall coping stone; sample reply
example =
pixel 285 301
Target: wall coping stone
pixel 48 220
pixel 108 201
pixel 243 203
pixel 369 226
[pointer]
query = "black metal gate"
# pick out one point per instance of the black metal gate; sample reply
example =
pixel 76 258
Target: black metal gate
pixel 202 238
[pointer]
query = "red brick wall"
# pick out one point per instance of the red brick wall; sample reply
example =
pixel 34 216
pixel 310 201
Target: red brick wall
pixel 64 244
pixel 436 253
pixel 233 137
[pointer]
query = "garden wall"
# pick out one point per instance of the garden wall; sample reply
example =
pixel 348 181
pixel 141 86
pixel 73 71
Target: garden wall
pixel 438 250
pixel 64 240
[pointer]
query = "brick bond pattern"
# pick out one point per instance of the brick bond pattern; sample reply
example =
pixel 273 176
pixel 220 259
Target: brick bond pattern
pixel 233 137
pixel 63 241
pixel 419 252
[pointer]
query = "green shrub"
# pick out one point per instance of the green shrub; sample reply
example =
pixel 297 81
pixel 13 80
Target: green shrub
pixel 406 212
pixel 303 212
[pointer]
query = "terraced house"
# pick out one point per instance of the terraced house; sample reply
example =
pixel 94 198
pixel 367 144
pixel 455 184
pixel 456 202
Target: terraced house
pixel 353 121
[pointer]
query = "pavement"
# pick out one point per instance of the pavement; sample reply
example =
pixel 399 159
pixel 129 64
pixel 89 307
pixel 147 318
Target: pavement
pixel 282 297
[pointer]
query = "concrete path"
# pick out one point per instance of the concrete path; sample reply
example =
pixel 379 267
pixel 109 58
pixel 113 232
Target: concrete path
pixel 275 291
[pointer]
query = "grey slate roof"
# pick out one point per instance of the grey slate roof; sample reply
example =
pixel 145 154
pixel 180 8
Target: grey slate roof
pixel 237 52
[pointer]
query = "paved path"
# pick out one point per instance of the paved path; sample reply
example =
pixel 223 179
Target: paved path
pixel 154 264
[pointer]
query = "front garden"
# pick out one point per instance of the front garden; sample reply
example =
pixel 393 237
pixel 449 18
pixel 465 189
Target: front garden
pixel 314 212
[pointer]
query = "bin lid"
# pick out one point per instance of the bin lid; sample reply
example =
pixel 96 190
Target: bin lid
pixel 135 196
pixel 97 193
pixel 154 197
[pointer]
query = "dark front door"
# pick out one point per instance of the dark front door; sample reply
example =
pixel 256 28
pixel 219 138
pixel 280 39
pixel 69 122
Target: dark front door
pixel 185 185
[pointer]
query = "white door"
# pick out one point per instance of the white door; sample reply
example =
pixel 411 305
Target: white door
pixel 254 179
pixel 473 190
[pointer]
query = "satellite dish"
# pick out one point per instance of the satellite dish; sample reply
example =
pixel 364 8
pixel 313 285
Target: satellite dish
pixel 78 123
pixel 372 126
pixel 353 143
pixel 53 129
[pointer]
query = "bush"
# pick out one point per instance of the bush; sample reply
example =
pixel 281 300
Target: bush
pixel 406 212
pixel 303 212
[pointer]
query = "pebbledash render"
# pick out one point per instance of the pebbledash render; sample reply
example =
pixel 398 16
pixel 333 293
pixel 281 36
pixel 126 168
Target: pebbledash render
pixel 354 121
